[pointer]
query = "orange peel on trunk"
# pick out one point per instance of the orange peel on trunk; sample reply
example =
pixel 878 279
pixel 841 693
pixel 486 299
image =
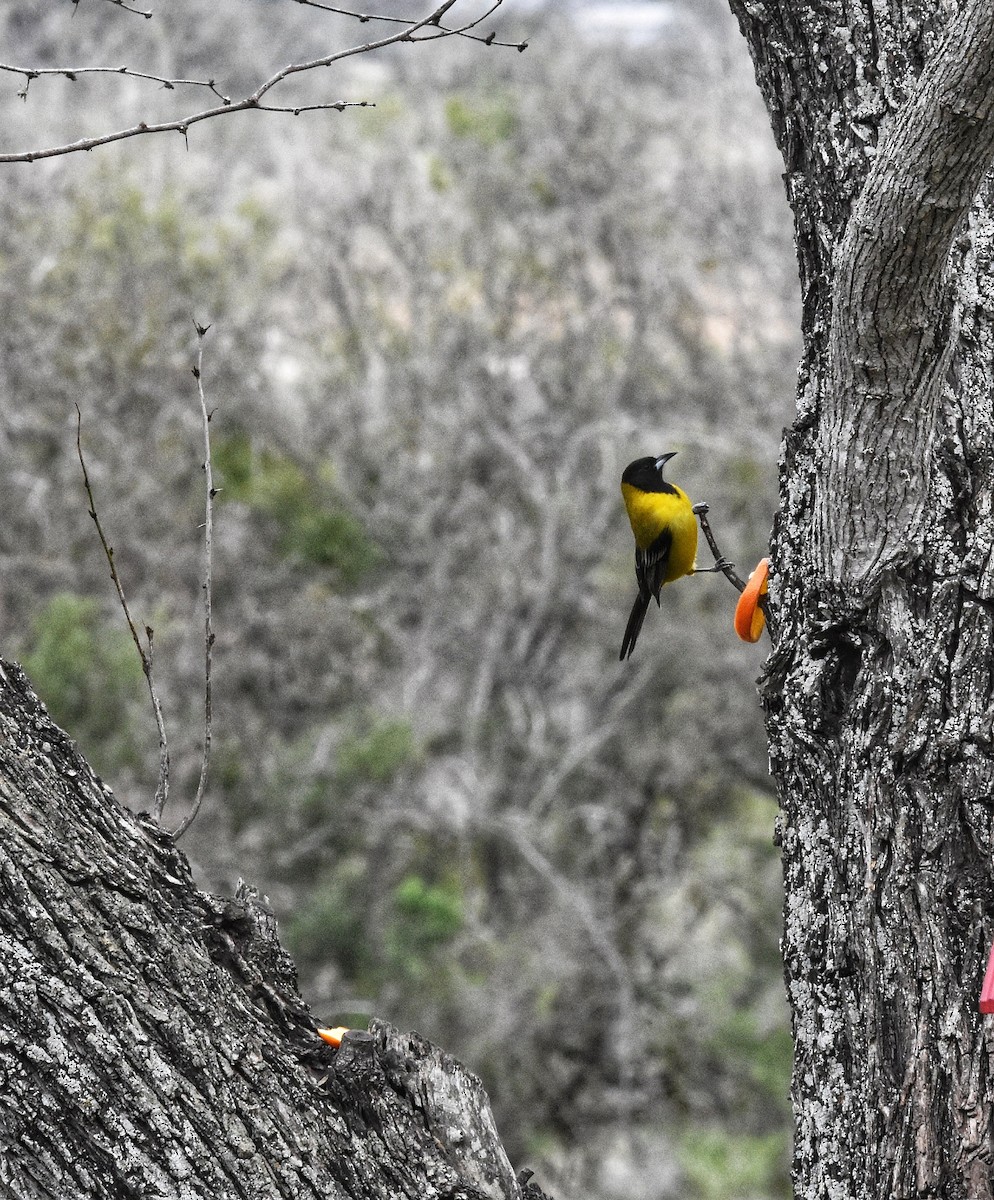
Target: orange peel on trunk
pixel 333 1036
pixel 749 619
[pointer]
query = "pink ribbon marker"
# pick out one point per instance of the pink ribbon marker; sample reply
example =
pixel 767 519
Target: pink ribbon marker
pixel 987 991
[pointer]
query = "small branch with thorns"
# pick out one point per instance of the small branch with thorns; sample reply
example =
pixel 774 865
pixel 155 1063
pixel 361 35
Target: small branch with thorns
pixel 428 28
pixel 206 415
pixel 489 39
pixel 138 12
pixel 73 73
pixel 145 652
pixel 727 568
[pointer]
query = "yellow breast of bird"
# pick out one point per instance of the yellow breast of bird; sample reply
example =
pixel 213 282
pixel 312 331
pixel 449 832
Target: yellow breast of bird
pixel 652 512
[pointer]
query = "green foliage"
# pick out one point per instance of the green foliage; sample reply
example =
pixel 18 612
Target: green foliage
pixel 377 755
pixel 312 524
pixel 377 122
pixel 330 925
pixel 736 1030
pixel 488 120
pixel 234 462
pixel 543 191
pixel 762 1055
pixel 723 1166
pixel 88 674
pixel 426 917
pixel 371 756
pixel 404 947
pixel 125 268
pixel 438 174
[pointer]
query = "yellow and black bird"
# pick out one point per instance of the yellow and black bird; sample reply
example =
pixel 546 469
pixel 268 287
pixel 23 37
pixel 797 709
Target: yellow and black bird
pixel 665 529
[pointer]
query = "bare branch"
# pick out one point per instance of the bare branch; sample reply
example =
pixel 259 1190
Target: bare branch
pixel 162 789
pixel 188 820
pixel 296 109
pixel 465 31
pixel 409 33
pixel 138 12
pixel 489 40
pixel 72 74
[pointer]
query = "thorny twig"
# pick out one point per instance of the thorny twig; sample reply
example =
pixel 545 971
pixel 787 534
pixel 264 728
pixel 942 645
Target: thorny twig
pixel 162 788
pixel 427 28
pixel 72 73
pixel 145 653
pixel 139 12
pixel 191 816
pixel 489 40
pixel 728 569
pixel 720 561
pixel 296 109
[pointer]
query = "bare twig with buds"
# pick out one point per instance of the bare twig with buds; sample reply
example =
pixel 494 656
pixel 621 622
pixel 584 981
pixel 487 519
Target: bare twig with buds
pixel 425 28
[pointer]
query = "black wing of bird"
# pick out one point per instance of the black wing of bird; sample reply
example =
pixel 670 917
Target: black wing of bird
pixel 651 564
pixel 650 571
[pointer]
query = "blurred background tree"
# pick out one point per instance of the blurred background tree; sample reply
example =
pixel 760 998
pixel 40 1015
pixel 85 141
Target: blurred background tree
pixel 441 328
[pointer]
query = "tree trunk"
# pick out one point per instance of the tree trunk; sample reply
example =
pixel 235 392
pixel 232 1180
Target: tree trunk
pixel 879 694
pixel 152 1041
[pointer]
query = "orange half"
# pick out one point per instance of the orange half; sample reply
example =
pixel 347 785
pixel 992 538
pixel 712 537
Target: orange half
pixel 749 619
pixel 333 1036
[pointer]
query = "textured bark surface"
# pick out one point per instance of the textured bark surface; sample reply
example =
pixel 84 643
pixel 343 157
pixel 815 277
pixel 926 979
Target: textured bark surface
pixel 880 694
pixel 152 1041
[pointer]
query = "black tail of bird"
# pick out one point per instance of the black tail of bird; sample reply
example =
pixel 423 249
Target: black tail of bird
pixel 634 626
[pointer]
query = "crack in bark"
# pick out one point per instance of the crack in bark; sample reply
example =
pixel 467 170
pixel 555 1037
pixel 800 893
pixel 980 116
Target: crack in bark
pixel 892 330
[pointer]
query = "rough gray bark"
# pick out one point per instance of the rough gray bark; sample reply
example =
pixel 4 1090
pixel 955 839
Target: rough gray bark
pixel 152 1041
pixel 879 694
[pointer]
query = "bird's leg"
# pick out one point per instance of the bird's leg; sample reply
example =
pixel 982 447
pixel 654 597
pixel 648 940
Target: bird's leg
pixel 721 563
pixel 725 567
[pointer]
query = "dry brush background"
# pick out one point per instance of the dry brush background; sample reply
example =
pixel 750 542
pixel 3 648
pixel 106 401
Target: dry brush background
pixel 440 329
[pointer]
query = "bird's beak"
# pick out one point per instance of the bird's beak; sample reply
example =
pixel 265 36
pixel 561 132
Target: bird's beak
pixel 663 459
